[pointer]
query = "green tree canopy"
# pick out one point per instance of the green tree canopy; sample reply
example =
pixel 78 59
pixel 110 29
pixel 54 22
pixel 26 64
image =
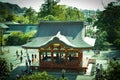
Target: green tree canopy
pixel 59 12
pixel 19 38
pixel 109 21
pixel 31 14
pixel 113 70
pixel 4 69
pixel 40 76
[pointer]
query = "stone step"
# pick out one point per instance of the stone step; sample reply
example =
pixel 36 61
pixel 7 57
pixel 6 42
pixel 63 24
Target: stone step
pixel 88 72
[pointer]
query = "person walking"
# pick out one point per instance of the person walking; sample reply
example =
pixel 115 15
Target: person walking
pixel 63 73
pixel 17 54
pixel 35 56
pixel 97 76
pixel 29 62
pixel 21 59
pixel 11 66
pixel 21 52
pixel 32 58
pixel 26 63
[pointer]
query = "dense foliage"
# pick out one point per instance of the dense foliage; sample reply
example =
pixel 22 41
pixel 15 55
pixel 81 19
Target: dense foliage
pixel 113 70
pixel 8 10
pixel 40 76
pixel 59 12
pixel 4 69
pixel 109 21
pixel 19 38
pixel 49 10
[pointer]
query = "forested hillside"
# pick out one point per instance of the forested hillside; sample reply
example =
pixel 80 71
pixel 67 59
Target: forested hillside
pixel 10 8
pixel 7 11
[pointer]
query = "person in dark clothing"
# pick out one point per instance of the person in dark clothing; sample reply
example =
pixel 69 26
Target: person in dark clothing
pixel 21 53
pixel 26 63
pixel 21 59
pixel 17 54
pixel 11 66
pixel 35 56
pixel 29 62
pixel 32 58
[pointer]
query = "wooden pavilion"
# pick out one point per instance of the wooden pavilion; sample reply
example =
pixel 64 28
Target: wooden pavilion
pixel 61 45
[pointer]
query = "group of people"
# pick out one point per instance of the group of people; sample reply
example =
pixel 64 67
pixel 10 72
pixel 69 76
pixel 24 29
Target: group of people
pixel 99 71
pixel 28 61
pixel 19 56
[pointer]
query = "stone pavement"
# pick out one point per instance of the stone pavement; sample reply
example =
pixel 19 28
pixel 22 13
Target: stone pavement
pixel 10 55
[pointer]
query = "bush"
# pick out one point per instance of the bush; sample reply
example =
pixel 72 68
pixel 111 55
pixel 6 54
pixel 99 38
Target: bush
pixel 38 76
pixel 113 70
pixel 4 69
pixel 117 43
pixel 18 38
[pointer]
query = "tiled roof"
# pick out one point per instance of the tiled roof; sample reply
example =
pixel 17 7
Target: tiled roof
pixel 25 28
pixel 71 34
pixel 3 26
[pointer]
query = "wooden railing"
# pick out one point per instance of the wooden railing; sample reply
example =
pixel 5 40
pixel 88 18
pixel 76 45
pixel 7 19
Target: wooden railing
pixel 85 65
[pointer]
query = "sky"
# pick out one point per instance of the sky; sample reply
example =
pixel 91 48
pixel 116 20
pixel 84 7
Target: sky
pixel 80 4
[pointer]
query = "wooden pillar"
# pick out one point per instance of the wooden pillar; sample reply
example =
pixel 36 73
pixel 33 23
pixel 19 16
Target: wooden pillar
pixel 52 57
pixel 80 56
pixel 66 56
pixel 52 53
pixel 40 53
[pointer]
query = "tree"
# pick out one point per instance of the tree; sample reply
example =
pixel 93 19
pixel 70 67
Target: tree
pixel 49 18
pixel 109 21
pixel 89 20
pixel 101 42
pixel 40 76
pixel 18 38
pixel 21 19
pixel 3 15
pixel 113 70
pixel 59 12
pixel 46 8
pixel 10 18
pixel 31 14
pixel 4 69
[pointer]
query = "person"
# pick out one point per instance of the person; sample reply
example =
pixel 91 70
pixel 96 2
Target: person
pixel 63 73
pixel 32 58
pixel 97 68
pixel 29 62
pixel 21 58
pixel 11 66
pixel 101 70
pixel 70 58
pixel 17 54
pixel 97 76
pixel 35 56
pixel 28 56
pixel 21 53
pixel 26 63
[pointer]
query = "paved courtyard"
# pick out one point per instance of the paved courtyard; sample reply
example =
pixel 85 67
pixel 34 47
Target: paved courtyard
pixel 10 55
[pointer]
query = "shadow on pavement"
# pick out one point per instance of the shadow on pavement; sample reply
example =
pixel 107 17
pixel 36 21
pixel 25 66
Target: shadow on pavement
pixel 16 71
pixel 58 74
